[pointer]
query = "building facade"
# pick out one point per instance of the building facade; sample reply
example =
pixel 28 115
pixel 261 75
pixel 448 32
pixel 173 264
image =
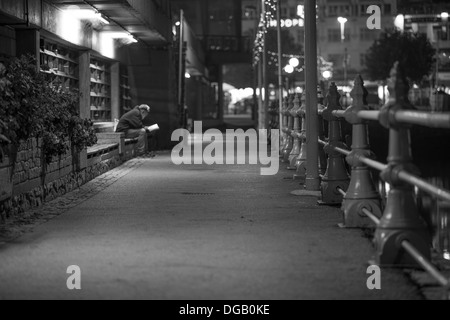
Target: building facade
pixel 115 53
pixel 431 18
pixel 223 31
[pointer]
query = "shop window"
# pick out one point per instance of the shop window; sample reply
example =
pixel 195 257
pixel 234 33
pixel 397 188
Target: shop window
pixel 60 65
pixel 125 95
pixel 100 90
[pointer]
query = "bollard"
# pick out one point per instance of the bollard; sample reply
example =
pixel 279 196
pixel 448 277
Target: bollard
pixel 295 134
pixel 300 163
pixel 336 175
pixel 289 140
pixel 362 192
pixel 401 219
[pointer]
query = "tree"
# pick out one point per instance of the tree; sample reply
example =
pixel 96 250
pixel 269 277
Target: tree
pixel 413 51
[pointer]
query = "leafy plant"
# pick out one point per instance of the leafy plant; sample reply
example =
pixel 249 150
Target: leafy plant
pixel 31 106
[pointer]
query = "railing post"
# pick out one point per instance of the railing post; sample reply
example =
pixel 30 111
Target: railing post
pixel 295 134
pixel 361 193
pixel 284 124
pixel 401 220
pixel 289 140
pixel 322 155
pixel 336 175
pixel 300 162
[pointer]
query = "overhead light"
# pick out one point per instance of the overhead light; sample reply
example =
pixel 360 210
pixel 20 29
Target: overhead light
pixel 101 18
pixel 86 14
pixel 120 35
pixel 187 75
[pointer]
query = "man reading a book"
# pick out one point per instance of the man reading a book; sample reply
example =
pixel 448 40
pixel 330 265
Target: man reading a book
pixel 131 124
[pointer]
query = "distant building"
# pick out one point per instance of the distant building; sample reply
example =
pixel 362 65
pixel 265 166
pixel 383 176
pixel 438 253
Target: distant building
pixel 431 18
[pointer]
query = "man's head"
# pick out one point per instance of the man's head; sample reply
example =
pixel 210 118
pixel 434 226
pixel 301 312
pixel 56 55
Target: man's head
pixel 144 110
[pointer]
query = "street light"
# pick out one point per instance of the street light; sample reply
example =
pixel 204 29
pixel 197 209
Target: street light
pixel 289 69
pixel 294 62
pixel 399 22
pixel 343 21
pixel 327 75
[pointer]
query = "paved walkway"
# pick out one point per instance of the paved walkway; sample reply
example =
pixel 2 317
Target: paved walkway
pixel 151 230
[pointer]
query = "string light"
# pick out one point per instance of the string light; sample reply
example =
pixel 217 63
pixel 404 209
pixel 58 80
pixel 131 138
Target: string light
pixel 272 57
pixel 264 24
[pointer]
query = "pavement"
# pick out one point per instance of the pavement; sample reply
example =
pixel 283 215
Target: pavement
pixel 153 230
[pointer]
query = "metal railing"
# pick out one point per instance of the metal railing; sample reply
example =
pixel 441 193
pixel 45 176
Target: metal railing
pixel 399 228
pixel 424 263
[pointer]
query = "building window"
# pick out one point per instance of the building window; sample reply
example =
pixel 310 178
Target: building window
pixel 363 9
pixel 249 13
pixel 333 11
pixel 334 35
pixel 345 10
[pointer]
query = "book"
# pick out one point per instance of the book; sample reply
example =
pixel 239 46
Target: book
pixel 152 128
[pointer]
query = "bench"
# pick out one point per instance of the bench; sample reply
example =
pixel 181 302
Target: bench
pixel 101 152
pixel 107 136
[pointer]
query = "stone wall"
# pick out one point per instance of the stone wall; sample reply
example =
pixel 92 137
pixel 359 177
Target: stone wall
pixel 30 187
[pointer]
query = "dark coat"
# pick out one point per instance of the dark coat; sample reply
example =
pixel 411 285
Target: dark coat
pixel 130 120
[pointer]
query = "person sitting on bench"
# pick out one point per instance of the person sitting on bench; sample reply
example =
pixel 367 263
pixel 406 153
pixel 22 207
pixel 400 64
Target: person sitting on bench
pixel 131 124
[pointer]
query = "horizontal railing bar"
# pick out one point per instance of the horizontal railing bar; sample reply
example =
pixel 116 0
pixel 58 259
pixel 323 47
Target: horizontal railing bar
pixel 369 115
pixel 432 120
pixel 342 192
pixel 431 269
pixel 322 142
pixel 371 216
pixel 373 164
pixel 343 151
pixel 426 119
pixel 339 113
pixel 424 186
pixel 427 266
pixel 403 175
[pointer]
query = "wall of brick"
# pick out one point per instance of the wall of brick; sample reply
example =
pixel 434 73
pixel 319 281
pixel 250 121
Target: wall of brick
pixel 29 188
